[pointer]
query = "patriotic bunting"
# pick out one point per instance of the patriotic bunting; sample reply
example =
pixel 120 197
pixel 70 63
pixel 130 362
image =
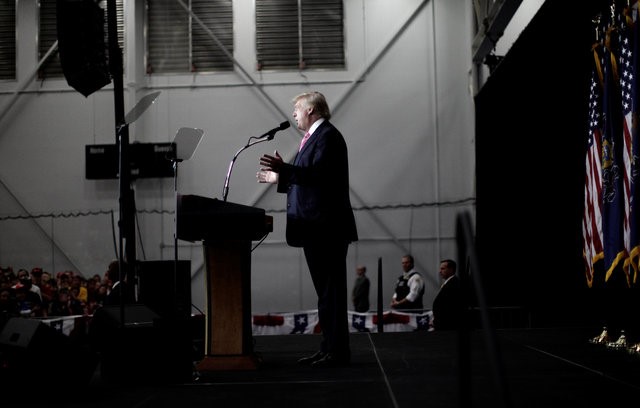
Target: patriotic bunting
pixel 307 322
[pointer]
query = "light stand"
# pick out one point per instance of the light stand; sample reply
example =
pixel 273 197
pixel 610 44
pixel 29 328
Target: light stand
pixel 127 217
pixel 186 141
pixel 126 223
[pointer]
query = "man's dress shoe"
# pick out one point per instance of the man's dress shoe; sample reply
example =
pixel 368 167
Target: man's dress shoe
pixel 313 358
pixel 331 360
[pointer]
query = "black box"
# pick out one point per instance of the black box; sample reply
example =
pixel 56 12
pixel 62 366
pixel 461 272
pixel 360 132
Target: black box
pixel 165 287
pixel 147 160
pixel 147 349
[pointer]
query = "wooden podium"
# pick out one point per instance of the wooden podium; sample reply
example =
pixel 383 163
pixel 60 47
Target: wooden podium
pixel 227 230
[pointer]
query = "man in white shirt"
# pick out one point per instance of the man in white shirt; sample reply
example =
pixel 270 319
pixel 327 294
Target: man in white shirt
pixel 409 289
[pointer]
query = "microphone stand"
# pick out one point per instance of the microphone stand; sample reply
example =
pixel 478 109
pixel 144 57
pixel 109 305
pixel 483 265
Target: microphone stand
pixel 225 190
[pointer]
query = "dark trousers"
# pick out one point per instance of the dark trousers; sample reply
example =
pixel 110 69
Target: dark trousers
pixel 327 262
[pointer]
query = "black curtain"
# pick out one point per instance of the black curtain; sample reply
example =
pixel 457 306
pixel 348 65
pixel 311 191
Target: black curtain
pixel 531 127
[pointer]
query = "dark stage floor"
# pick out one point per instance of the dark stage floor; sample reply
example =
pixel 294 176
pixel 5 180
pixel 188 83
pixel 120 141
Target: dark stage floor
pixel 542 367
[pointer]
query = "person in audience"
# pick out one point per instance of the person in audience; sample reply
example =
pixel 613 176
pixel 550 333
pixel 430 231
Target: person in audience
pixel 66 305
pixel 77 282
pixel 36 281
pixel 97 280
pixel 22 273
pixel 77 305
pixel 6 271
pixel 92 294
pixel 8 306
pixel 60 305
pixel 447 305
pixel 13 278
pixel 48 290
pixel 63 280
pixel 360 292
pixel 29 303
pixel 409 289
pixel 6 278
pixel 101 294
pixel 91 285
pixel 23 277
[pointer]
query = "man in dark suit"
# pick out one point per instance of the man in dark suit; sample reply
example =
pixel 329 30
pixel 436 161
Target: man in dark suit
pixel 360 292
pixel 447 305
pixel 119 288
pixel 319 218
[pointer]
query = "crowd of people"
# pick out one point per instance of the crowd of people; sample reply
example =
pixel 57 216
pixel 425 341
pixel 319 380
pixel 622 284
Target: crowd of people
pixel 38 293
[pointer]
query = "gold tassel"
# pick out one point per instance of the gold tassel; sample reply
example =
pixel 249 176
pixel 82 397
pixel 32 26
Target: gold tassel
pixel 634 349
pixel 602 338
pixel 620 343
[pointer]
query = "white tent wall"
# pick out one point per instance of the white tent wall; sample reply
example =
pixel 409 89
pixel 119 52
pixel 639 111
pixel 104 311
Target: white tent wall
pixel 404 104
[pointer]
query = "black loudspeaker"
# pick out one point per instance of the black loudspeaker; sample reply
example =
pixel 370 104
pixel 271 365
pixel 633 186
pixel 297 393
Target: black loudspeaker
pixel 164 288
pixel 145 349
pixel 82 45
pixel 30 347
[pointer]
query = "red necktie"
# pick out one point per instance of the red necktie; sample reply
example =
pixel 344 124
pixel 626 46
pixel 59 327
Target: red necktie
pixel 304 140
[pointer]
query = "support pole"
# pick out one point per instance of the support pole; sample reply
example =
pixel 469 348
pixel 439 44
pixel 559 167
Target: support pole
pixel 126 223
pixel 380 322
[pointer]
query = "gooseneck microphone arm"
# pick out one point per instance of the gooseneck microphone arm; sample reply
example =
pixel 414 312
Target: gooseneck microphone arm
pixel 225 191
pixel 263 138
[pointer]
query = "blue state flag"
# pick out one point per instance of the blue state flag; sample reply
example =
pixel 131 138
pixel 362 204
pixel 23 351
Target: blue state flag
pixel 613 211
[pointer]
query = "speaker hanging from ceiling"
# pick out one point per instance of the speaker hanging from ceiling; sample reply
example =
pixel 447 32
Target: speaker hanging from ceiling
pixel 81 44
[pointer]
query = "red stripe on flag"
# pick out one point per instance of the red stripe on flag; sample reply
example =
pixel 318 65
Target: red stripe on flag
pixel 268 320
pixel 391 318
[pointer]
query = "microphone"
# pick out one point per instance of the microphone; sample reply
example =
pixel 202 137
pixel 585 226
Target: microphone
pixel 270 134
pixel 263 138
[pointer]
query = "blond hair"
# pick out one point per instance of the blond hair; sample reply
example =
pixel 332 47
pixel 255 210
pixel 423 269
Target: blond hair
pixel 317 101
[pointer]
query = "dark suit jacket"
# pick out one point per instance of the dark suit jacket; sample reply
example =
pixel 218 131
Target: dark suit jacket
pixel 113 298
pixel 447 306
pixel 360 294
pixel 317 187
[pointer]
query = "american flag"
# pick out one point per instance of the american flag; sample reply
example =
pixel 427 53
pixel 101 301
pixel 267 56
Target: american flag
pixel 300 321
pixel 592 215
pixel 626 69
pixel 634 169
pixel 358 322
pixel 423 322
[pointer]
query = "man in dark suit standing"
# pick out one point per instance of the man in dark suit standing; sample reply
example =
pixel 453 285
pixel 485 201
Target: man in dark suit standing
pixel 360 292
pixel 447 305
pixel 319 218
